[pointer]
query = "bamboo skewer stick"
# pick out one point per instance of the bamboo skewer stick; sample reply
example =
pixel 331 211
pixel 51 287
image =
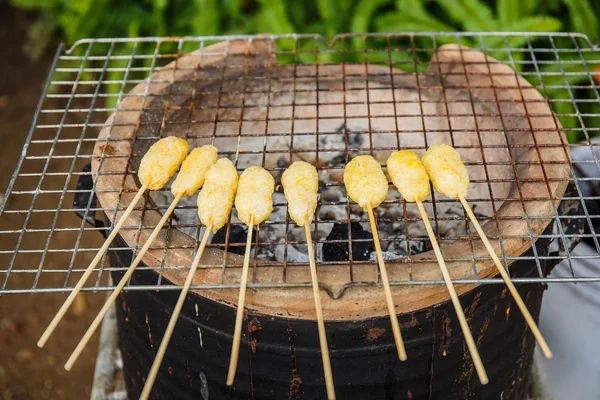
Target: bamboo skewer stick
pixel 319 310
pixel 237 332
pixel 63 309
pixel 455 301
pixel 511 287
pixel 88 334
pixel 386 288
pixel 173 321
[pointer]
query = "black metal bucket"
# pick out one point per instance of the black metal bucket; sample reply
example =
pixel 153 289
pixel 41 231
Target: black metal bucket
pixel 280 357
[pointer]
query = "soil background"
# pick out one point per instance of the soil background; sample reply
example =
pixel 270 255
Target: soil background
pixel 27 372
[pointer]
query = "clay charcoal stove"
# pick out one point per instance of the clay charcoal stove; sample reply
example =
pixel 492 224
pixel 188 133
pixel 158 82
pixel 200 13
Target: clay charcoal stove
pixel 262 102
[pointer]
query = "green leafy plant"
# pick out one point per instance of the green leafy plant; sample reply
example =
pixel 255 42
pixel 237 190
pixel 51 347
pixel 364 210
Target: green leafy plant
pixel 561 77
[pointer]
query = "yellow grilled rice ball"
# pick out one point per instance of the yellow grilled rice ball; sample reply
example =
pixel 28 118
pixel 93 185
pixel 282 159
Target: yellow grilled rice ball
pixel 216 197
pixel 193 170
pixel 301 184
pixel 408 174
pixel 161 162
pixel 254 199
pixel 365 182
pixel 446 170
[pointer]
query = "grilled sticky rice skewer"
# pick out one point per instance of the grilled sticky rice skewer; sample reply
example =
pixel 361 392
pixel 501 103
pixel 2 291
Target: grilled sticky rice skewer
pixel 188 181
pixel 367 185
pixel 409 175
pixel 451 178
pixel 300 185
pixel 214 207
pixel 158 165
pixel 254 204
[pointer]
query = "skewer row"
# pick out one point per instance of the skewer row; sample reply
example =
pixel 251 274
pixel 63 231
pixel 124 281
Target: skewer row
pixel 365 184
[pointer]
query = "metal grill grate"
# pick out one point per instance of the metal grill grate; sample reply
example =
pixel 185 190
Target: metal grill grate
pixel 284 87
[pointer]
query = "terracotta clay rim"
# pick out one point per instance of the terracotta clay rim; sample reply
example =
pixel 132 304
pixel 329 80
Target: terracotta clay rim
pixel 356 302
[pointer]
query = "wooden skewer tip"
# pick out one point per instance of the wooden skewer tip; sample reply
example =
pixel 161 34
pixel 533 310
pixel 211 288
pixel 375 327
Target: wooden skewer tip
pixel 509 284
pixel 63 309
pixel 173 321
pixel 483 378
pixel 115 293
pixel 386 288
pixel 319 311
pixel 237 335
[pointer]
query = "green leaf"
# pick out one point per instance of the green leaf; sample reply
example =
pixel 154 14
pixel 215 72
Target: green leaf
pixel 206 19
pixel 298 12
pixel 404 22
pixel 583 19
pixel 527 24
pixel 553 75
pixel 530 6
pixel 328 11
pixel 362 18
pixel 233 9
pixel 344 9
pixel 272 17
pixel 412 16
pixel 473 15
pixel 414 6
pixel 567 121
pixel 551 5
pixel 508 11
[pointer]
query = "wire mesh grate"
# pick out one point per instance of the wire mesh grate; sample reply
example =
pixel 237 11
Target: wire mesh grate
pixel 271 100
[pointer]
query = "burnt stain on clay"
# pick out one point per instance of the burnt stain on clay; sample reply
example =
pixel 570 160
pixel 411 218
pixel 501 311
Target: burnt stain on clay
pixel 106 149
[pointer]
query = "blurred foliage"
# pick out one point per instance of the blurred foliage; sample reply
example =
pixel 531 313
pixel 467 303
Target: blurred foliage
pixel 71 20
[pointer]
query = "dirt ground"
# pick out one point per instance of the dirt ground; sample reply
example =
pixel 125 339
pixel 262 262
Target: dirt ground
pixel 27 372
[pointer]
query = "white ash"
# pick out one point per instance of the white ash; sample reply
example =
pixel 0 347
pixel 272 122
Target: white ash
pixel 346 132
pixel 186 212
pixel 387 256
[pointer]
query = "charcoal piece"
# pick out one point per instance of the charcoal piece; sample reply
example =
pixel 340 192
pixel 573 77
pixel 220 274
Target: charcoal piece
pixel 338 251
pixel 237 238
